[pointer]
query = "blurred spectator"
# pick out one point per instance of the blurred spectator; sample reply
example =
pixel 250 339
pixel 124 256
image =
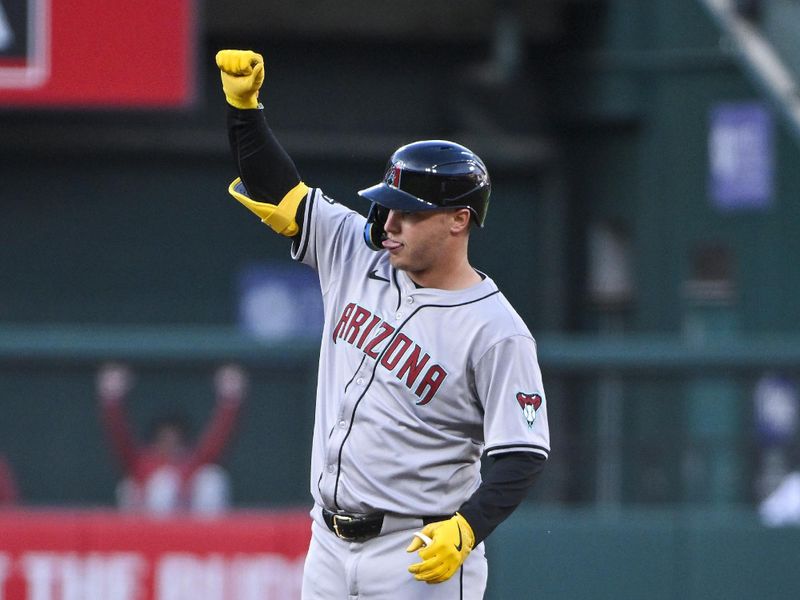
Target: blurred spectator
pixel 168 474
pixel 9 493
pixel 777 420
pixel 782 506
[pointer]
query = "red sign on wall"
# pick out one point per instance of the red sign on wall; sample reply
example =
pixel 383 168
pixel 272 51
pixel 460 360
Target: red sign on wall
pixel 97 53
pixel 64 556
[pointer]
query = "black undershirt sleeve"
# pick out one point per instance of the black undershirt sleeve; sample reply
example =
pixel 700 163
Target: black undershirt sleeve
pixel 505 484
pixel 264 166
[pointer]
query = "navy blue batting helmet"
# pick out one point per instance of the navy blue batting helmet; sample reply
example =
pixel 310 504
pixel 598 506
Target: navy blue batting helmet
pixel 427 175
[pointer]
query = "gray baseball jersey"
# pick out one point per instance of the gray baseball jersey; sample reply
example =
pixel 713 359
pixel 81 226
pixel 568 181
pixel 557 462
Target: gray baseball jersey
pixel 414 384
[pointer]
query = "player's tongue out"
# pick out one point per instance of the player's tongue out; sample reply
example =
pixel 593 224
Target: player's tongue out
pixel 391 244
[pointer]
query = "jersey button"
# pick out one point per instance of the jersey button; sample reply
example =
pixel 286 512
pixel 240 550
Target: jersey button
pixel 410 300
pixel 343 424
pixel 331 468
pixel 398 316
pixel 360 381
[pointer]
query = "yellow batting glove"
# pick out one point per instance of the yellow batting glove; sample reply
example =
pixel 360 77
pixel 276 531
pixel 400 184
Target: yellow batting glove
pixel 280 217
pixel 242 73
pixel 451 542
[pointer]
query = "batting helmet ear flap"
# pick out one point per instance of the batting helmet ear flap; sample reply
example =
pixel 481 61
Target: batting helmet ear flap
pixel 374 232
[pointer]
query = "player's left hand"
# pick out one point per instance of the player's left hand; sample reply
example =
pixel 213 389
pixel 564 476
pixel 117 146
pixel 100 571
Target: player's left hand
pixel 451 541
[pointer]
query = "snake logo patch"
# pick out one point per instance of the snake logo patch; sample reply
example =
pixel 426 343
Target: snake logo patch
pixel 529 403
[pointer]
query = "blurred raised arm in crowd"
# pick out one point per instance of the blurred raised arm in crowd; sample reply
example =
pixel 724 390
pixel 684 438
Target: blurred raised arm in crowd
pixel 9 492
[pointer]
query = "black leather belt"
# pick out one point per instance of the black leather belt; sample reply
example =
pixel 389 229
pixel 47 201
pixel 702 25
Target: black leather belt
pixel 359 528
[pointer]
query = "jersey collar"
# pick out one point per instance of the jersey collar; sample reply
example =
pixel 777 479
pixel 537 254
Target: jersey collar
pixel 436 296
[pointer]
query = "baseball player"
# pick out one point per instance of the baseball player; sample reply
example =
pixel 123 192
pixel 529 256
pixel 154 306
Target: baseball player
pixel 424 366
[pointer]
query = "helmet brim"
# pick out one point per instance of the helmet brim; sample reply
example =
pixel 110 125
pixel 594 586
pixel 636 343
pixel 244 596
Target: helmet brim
pixel 395 199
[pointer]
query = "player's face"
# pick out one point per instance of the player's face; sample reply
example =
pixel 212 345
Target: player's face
pixel 417 241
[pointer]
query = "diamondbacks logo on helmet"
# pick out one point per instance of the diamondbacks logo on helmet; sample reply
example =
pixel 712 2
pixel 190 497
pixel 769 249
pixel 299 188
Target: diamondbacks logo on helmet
pixel 529 403
pixel 393 176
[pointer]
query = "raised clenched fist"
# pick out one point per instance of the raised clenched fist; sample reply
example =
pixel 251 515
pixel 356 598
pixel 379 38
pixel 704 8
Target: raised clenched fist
pixel 242 73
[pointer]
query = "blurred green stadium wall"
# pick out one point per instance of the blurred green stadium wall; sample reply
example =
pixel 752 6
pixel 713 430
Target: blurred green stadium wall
pixel 655 554
pixel 122 219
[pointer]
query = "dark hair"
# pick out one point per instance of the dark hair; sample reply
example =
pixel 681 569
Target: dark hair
pixel 175 421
